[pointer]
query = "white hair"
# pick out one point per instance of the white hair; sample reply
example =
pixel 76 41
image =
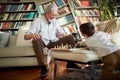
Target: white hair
pixel 50 7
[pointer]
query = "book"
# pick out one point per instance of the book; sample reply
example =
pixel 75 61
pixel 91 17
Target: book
pixel 30 7
pixel 31 15
pixel 60 3
pixel 64 10
pixel 77 3
pixel 40 9
pixel 1 16
pixel 5 16
pixel 25 16
pixel 65 1
pixel 69 29
pixel 19 16
pixel 20 7
pixel 66 29
pixel 82 19
pixel 62 20
pixel 6 25
pixel 2 7
pixel 12 25
pixel 85 3
pixel 69 18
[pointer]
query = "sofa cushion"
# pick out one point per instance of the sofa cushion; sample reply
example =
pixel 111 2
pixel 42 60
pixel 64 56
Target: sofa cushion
pixel 18 62
pixel 20 37
pixel 116 38
pixel 4 37
pixel 107 26
pixel 12 40
pixel 16 51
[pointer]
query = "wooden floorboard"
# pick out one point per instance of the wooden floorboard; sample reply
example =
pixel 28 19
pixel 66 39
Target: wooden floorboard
pixel 29 73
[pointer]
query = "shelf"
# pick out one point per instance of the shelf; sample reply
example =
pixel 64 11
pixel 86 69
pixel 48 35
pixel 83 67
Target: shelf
pixel 89 15
pixel 68 23
pixel 118 15
pixel 63 15
pixel 16 20
pixel 22 11
pixel 11 19
pixel 9 3
pixel 80 8
pixel 8 29
pixel 45 2
pixel 63 6
pixel 118 6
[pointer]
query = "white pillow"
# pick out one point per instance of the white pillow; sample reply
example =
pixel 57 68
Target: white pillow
pixel 4 37
pixel 20 37
pixel 116 38
pixel 107 26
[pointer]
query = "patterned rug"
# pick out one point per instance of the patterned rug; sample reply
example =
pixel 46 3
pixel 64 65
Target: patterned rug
pixel 81 74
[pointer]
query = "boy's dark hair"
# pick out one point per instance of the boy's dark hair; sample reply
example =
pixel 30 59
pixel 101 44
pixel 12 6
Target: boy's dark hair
pixel 87 28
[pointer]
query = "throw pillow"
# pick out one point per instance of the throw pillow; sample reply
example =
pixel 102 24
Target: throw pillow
pixel 20 37
pixel 107 26
pixel 4 37
pixel 110 26
pixel 116 38
pixel 100 26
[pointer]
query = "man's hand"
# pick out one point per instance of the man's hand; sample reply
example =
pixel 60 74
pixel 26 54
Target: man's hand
pixel 32 36
pixel 36 36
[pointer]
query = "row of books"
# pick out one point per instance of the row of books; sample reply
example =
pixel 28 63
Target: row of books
pixel 65 19
pixel 16 7
pixel 11 25
pixel 64 10
pixel 69 29
pixel 58 3
pixel 89 12
pixel 17 16
pixel 85 3
pixel 84 19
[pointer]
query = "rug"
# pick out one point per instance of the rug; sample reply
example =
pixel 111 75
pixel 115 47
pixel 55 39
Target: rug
pixel 81 74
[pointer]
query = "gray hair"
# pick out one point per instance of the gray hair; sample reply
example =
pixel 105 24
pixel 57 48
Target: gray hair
pixel 50 7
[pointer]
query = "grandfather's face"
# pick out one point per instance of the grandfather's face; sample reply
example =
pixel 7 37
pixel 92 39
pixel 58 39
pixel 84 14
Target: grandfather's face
pixel 52 14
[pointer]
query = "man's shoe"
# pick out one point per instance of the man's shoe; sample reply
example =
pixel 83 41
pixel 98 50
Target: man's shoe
pixel 44 71
pixel 44 75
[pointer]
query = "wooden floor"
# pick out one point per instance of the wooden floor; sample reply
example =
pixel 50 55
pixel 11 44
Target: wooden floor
pixel 29 73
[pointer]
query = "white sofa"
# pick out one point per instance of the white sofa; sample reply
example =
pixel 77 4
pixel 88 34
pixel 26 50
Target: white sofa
pixel 19 52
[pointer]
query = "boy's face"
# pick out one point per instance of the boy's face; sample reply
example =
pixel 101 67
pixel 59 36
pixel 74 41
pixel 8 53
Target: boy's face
pixel 84 35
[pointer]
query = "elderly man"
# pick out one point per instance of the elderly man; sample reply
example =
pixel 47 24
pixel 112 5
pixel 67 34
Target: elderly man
pixel 46 32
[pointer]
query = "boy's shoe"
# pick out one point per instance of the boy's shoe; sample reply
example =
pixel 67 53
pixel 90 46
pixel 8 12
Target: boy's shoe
pixel 72 66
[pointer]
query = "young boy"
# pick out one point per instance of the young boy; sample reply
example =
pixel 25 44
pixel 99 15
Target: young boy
pixel 101 43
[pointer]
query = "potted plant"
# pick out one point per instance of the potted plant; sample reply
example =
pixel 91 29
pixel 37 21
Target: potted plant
pixel 107 9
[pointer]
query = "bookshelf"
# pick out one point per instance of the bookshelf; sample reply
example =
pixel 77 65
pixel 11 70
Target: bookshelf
pixel 86 10
pixel 15 14
pixel 65 16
